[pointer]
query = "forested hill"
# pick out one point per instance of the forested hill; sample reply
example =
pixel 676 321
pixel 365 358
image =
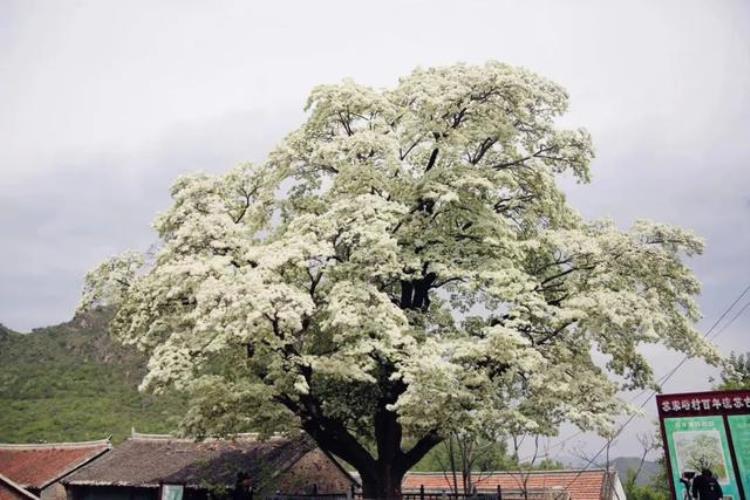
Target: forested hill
pixel 73 382
pixel 5 332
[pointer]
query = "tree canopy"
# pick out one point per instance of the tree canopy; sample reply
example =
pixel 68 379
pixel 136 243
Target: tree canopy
pixel 402 266
pixel 736 372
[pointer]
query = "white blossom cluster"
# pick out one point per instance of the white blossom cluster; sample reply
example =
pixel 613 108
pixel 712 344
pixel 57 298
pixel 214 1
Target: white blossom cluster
pixel 421 254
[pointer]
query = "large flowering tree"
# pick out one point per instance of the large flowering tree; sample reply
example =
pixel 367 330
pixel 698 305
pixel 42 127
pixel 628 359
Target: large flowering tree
pixel 402 266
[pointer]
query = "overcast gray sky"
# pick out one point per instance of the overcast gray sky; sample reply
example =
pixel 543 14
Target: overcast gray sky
pixel 104 103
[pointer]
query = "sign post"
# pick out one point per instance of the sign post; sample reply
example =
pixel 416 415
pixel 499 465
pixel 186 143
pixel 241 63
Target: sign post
pixel 707 430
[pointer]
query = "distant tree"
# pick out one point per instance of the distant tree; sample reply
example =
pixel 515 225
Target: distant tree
pixel 649 443
pixel 652 491
pixel 658 488
pixel 736 372
pixel 466 459
pixel 522 469
pixel 403 267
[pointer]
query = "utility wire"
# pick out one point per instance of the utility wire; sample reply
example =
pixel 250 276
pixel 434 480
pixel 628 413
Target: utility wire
pixel 664 378
pixel 734 318
pixel 667 377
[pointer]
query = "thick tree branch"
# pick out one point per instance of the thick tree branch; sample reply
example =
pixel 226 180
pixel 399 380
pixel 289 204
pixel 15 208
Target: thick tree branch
pixel 484 146
pixel 419 450
pixel 432 160
pixel 540 151
pixel 403 154
pixel 246 204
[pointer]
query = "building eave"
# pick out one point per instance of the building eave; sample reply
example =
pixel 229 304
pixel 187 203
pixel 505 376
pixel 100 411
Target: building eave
pixel 18 488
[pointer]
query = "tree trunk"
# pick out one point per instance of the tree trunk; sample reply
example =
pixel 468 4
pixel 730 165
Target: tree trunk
pixel 383 471
pixel 381 476
pixel 385 485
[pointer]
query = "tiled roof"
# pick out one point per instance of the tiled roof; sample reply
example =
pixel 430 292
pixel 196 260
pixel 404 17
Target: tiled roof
pixel 37 465
pixel 9 490
pixel 146 461
pixel 590 484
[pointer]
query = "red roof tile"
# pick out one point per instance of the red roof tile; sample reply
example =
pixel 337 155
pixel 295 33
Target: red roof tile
pixel 37 465
pixel 580 485
pixel 9 490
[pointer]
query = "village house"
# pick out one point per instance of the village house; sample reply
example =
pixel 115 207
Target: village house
pixel 38 469
pixel 590 484
pixel 142 466
pixel 155 467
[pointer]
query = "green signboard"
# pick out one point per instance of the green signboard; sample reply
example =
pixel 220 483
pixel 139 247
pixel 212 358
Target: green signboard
pixel 739 428
pixel 695 443
pixel 707 430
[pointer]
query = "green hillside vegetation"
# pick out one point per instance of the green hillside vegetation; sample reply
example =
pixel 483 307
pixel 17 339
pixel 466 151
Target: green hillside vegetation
pixel 73 382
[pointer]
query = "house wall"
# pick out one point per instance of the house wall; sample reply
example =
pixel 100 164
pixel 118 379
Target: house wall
pixel 314 468
pixel 618 490
pixel 54 491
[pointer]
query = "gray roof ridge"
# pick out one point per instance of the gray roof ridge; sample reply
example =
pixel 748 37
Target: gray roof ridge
pixel 68 445
pixel 520 471
pixel 242 436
